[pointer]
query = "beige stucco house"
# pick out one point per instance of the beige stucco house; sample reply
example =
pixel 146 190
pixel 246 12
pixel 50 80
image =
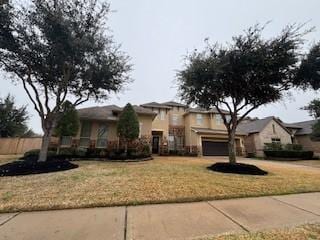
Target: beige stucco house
pixel 98 126
pixel 177 127
pixel 169 127
pixel 261 131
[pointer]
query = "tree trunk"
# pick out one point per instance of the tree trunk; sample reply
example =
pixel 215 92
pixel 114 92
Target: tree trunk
pixel 231 145
pixel 48 130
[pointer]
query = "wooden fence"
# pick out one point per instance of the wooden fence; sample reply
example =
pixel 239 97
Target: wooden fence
pixel 19 145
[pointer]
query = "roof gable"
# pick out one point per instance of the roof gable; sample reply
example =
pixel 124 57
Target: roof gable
pixel 259 125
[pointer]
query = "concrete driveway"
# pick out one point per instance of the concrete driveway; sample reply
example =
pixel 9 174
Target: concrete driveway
pixel 165 221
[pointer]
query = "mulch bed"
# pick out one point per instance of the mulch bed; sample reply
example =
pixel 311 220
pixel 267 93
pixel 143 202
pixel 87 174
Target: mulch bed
pixel 238 168
pixel 22 167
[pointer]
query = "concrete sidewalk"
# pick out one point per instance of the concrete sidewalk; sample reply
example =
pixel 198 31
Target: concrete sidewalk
pixel 164 221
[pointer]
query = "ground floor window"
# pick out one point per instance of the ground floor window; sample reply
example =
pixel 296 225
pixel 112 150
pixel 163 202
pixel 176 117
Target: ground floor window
pixel 66 140
pixel 85 134
pixel 102 136
pixel 175 142
pixel 275 140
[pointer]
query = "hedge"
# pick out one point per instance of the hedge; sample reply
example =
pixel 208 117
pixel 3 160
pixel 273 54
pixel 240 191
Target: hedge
pixel 289 154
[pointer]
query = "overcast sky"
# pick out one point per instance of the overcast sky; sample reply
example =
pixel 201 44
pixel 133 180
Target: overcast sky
pixel 157 34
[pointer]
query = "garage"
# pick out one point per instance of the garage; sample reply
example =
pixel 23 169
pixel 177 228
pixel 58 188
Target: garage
pixel 210 148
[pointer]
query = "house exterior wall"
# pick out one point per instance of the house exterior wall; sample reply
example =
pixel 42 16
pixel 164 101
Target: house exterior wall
pixel 159 124
pixel 266 135
pixel 112 135
pixel 308 144
pixel 209 121
pixel 250 143
pixel 176 116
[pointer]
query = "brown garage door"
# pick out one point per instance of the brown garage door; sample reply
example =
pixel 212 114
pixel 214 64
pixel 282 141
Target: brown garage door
pixel 214 148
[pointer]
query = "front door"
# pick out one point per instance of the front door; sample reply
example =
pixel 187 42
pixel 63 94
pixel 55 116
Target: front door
pixel 155 144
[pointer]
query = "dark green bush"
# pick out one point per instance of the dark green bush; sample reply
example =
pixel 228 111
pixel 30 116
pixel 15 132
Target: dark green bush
pixel 273 146
pixel 33 155
pixel 293 147
pixel 72 152
pixel 288 154
pixel 96 152
pixel 132 153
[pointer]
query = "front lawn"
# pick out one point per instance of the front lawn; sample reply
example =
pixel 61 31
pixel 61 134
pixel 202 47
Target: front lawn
pixel 164 179
pixel 305 232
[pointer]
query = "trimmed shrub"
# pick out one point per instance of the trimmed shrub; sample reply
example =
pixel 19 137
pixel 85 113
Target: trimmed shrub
pixel 288 154
pixel 143 151
pixel 293 147
pixel 273 146
pixel 33 155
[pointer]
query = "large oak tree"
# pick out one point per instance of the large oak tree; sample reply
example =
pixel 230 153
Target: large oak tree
pixel 241 76
pixel 59 50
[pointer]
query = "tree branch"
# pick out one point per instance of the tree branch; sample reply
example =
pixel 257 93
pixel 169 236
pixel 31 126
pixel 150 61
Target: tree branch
pixel 246 113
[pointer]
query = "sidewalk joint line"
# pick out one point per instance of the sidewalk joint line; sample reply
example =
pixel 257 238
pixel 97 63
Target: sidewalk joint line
pixel 295 206
pixel 125 223
pixel 10 218
pixel 230 218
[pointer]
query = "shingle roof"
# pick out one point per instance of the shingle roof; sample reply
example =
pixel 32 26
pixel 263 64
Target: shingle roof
pixel 203 110
pixel 257 126
pixel 291 125
pixel 174 104
pixel 215 131
pixel 107 112
pixel 305 127
pixel 155 105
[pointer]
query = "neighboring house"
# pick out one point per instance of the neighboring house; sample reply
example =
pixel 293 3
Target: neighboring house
pixel 177 127
pixel 302 132
pixel 261 131
pixel 98 126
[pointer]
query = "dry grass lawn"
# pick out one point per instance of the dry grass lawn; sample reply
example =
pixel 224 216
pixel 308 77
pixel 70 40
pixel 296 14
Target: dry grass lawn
pixel 305 232
pixel 164 179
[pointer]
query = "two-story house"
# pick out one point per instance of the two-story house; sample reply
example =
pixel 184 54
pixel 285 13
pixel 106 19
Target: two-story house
pixel 168 126
pixel 178 127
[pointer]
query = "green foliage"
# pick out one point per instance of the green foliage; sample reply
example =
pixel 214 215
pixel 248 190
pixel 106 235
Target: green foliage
pixel 315 135
pixel 12 118
pixel 249 72
pixel 32 155
pixel 60 47
pixel 306 155
pixel 309 72
pixel 128 124
pixel 273 146
pixel 313 108
pixel 68 124
pixel 279 146
pixel 293 147
pixel 142 151
pixel 60 50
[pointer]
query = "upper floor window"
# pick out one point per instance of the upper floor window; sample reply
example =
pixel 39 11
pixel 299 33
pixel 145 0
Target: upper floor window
pixel 219 120
pixel 199 119
pixel 175 119
pixel 162 114
pixel 102 135
pixel 157 112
